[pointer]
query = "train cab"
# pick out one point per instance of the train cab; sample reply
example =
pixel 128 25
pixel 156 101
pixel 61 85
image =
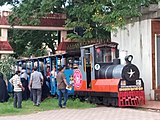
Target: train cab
pixel 93 58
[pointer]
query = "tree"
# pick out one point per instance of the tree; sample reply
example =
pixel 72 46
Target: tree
pixel 93 18
pixel 96 17
pixel 29 42
pixel 6 65
pixel 99 16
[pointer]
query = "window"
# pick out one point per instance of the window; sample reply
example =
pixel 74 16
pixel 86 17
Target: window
pixel 104 54
pixel 87 56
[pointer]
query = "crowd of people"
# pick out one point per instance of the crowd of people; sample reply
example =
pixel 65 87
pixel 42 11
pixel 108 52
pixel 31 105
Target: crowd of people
pixel 36 88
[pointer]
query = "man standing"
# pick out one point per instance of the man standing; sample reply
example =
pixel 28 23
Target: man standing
pixel 36 82
pixel 62 84
pixel 16 82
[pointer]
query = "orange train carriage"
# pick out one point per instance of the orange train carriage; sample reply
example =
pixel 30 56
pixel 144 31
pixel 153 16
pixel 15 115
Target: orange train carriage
pixel 102 79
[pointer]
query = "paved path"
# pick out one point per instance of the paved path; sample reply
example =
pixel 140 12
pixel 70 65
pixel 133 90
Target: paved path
pixel 99 113
pixel 152 105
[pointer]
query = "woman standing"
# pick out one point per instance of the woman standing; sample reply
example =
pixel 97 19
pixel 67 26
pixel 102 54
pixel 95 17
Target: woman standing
pixel 3 90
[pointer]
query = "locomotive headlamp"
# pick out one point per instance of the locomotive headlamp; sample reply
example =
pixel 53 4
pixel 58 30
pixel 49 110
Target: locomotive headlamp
pixel 123 83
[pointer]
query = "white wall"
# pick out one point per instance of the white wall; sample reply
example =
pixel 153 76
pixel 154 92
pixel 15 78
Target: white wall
pixel 136 40
pixel 4 34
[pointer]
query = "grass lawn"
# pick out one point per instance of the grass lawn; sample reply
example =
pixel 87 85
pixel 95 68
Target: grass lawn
pixel 48 104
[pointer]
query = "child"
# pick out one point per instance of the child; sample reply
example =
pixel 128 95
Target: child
pixel 18 88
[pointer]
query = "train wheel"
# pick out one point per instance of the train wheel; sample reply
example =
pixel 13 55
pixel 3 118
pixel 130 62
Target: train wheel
pixel 73 97
pixel 82 99
pixel 95 100
pixel 89 99
pixel 92 99
pixel 105 101
pixel 114 102
pixel 110 101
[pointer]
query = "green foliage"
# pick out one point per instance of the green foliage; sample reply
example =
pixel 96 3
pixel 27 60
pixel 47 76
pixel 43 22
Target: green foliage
pixel 102 15
pixel 6 65
pixel 29 42
pixel 36 9
pixel 97 17
pixel 79 105
pixel 48 104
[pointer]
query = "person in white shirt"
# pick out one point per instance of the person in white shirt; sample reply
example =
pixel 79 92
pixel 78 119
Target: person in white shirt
pixel 18 88
pixel 53 72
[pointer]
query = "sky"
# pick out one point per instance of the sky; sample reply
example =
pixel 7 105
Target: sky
pixel 5 8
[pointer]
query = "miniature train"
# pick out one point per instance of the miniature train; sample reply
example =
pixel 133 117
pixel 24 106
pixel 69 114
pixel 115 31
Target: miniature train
pixel 98 77
pixel 101 78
